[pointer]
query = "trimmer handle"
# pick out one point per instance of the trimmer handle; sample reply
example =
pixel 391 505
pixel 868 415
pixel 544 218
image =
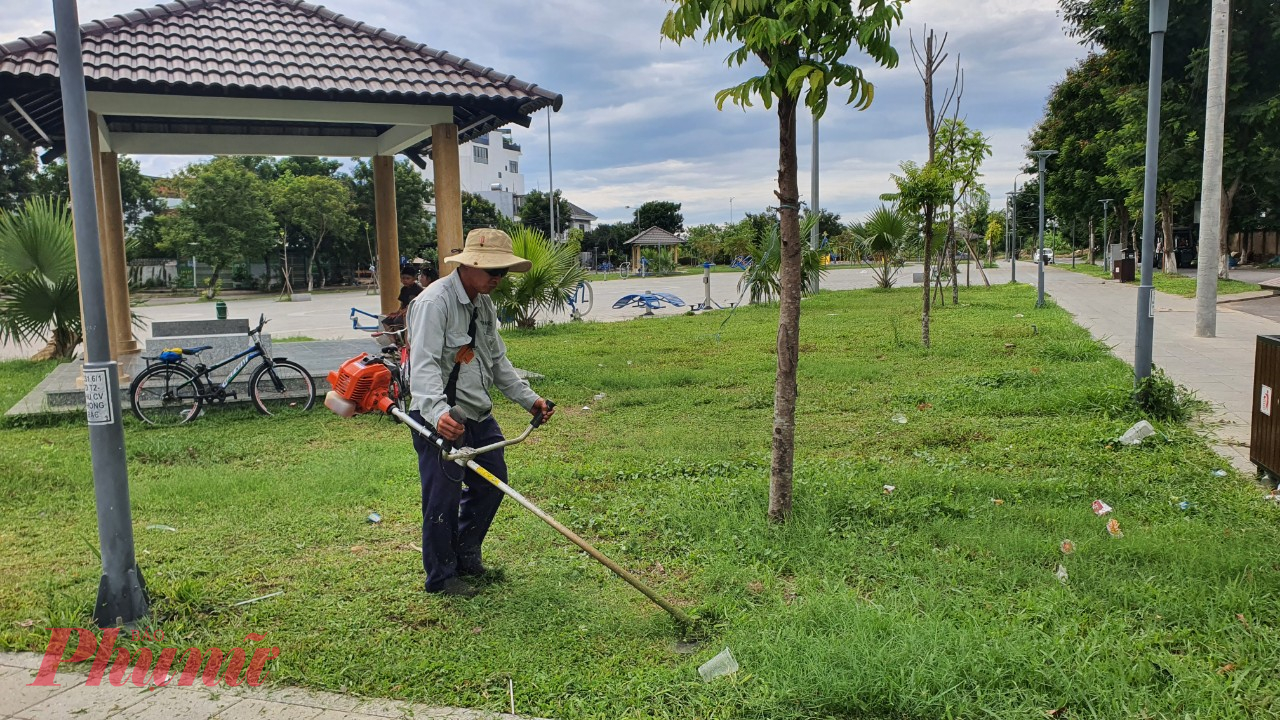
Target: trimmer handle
pixel 537 419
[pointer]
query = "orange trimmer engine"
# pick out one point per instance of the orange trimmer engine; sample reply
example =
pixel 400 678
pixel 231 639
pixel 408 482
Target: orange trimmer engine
pixel 361 385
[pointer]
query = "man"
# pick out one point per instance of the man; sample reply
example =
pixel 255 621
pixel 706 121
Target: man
pixel 456 354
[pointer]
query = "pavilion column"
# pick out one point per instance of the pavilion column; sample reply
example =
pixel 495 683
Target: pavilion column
pixel 116 264
pixel 388 232
pixel 114 276
pixel 448 179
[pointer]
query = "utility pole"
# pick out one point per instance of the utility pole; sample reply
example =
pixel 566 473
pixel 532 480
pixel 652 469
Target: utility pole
pixel 1106 239
pixel 1159 24
pixel 1041 156
pixel 1013 262
pixel 551 180
pixel 122 597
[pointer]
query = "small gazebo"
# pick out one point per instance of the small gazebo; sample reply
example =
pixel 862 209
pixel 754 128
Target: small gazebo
pixel 262 77
pixel 653 237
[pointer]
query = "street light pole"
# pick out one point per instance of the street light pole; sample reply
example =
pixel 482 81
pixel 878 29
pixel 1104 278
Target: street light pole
pixel 1013 256
pixel 1041 156
pixel 1106 238
pixel 1159 24
pixel 122 597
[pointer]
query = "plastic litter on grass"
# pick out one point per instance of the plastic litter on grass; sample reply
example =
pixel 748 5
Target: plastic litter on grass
pixel 719 666
pixel 1100 508
pixel 1140 431
pixel 166 528
pixel 1113 528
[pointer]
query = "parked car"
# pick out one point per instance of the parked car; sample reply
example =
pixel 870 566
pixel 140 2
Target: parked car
pixel 1048 255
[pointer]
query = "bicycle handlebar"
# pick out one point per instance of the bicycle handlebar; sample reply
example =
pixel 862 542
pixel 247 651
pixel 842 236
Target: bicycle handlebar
pixel 262 321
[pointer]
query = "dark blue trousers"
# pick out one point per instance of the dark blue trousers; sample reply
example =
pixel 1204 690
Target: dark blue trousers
pixel 456 516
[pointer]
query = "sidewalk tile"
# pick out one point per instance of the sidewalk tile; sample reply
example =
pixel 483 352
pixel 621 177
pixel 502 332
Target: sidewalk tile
pixel 88 703
pixel 16 693
pixel 310 698
pixel 253 709
pixel 29 661
pixel 169 705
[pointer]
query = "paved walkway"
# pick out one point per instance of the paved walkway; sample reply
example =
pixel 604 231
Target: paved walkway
pixel 1219 369
pixel 74 699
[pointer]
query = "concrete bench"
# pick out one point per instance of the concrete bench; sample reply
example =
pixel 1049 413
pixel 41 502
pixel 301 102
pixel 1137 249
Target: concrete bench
pixel 227 338
pixel 1273 285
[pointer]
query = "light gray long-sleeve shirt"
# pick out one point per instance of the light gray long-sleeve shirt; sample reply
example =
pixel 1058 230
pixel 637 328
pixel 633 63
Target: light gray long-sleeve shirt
pixel 437 324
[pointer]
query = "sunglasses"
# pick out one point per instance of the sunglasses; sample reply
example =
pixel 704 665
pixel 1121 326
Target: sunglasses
pixel 499 273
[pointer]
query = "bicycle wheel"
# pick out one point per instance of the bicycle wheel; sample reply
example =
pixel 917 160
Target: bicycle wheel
pixel 624 270
pixel 282 387
pixel 166 395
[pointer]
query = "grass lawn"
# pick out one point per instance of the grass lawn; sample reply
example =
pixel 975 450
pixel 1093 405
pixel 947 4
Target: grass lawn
pixel 937 600
pixel 1164 282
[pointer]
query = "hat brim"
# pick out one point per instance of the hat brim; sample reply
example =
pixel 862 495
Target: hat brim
pixel 490 260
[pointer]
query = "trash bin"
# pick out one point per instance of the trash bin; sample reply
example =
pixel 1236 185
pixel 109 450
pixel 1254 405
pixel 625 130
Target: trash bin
pixel 1122 269
pixel 221 308
pixel 1264 433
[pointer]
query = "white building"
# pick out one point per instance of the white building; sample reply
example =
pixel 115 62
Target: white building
pixel 489 166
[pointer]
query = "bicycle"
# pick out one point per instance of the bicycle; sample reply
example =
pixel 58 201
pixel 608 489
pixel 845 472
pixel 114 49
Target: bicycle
pixel 170 391
pixel 582 295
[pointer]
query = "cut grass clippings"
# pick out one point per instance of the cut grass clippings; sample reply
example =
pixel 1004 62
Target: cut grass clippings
pixel 939 599
pixel 1164 282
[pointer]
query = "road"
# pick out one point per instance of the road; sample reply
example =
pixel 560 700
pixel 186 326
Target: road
pixel 327 315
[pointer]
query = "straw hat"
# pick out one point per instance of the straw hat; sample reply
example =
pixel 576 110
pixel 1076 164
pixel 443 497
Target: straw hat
pixel 489 249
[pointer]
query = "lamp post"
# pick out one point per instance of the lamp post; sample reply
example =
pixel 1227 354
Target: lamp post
pixel 1159 23
pixel 122 596
pixel 1106 238
pixel 1013 236
pixel 730 209
pixel 1041 156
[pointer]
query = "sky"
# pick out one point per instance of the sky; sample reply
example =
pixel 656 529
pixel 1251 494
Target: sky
pixel 639 120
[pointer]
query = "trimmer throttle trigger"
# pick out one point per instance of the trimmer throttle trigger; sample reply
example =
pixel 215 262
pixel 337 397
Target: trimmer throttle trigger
pixel 537 419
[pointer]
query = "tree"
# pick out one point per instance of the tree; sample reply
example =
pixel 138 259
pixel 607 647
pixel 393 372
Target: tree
pixel 1211 186
pixel 659 213
pixel 41 298
pixel 17 172
pixel 829 225
pixel 962 152
pixel 800 43
pixel 545 286
pixel 606 240
pixel 224 217
pixel 478 213
pixel 138 199
pixel 882 237
pixel 319 207
pixel 535 212
pixel 413 220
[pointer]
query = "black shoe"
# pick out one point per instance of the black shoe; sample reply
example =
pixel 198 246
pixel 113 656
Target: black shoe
pixel 471 567
pixel 456 588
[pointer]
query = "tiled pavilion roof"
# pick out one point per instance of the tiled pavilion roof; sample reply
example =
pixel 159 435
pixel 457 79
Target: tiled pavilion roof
pixel 654 236
pixel 257 49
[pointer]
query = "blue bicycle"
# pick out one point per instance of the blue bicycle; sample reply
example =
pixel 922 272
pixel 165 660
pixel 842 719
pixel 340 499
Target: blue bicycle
pixel 170 391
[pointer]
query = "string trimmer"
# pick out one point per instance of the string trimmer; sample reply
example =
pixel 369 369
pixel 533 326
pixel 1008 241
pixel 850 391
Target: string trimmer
pixel 363 385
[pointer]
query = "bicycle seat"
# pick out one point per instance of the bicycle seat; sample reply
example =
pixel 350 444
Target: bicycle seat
pixel 196 350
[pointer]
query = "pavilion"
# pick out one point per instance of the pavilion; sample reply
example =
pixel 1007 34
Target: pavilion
pixel 653 237
pixel 261 77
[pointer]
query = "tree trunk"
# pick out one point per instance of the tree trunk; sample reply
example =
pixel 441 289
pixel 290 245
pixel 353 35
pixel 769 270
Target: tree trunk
pixel 928 281
pixel 1091 240
pixel 789 273
pixel 1169 264
pixel 981 270
pixel 213 282
pixel 1224 244
pixel 311 267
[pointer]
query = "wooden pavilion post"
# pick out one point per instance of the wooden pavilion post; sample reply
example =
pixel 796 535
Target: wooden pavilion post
pixel 115 277
pixel 388 232
pixel 444 159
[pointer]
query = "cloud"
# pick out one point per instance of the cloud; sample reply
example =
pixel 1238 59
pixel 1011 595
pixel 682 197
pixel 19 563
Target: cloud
pixel 639 120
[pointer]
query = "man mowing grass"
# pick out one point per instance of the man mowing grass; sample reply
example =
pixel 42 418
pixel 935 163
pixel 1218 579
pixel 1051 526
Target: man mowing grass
pixel 456 355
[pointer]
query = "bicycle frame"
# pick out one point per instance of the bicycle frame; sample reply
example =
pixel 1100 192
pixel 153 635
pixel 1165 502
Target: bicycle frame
pixel 248 355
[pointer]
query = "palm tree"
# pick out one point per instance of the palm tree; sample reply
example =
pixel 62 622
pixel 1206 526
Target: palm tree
pixel 882 236
pixel 555 274
pixel 766 261
pixel 39 290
